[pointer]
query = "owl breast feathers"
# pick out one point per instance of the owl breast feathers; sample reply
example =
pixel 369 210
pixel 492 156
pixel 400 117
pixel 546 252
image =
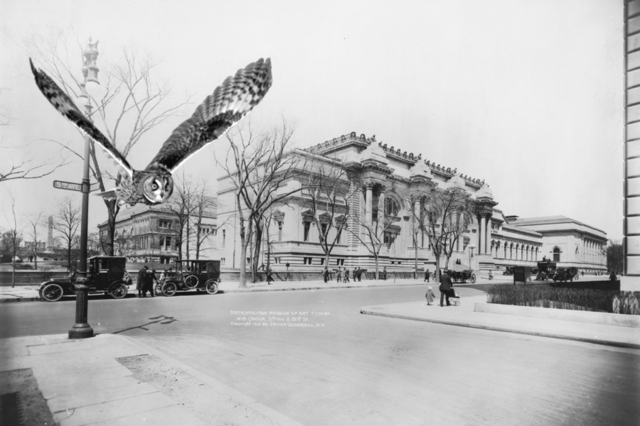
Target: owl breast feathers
pixel 227 105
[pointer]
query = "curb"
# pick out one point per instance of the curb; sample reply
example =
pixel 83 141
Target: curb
pixel 270 413
pixel 21 299
pixel 508 330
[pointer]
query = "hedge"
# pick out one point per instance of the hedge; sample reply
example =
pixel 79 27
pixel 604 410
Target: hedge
pixel 620 302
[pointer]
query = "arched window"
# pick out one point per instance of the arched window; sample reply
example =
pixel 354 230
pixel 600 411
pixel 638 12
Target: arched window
pixel 556 254
pixel 391 207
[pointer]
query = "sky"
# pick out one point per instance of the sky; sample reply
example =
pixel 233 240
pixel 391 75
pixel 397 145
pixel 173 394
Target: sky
pixel 525 95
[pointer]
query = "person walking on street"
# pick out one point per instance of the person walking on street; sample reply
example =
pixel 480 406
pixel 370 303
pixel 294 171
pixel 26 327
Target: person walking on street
pixel 427 275
pixel 339 275
pixel 269 276
pixel 384 273
pixel 445 287
pixel 141 279
pixel 325 274
pixel 346 275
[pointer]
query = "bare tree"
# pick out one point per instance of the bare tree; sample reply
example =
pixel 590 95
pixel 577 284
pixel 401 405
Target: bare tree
pixel 204 206
pixel 35 222
pixel 416 197
pixel 259 168
pixel 11 240
pixel 330 190
pixel 24 165
pixel 130 105
pixel 66 222
pixel 375 235
pixel 447 214
pixel 183 206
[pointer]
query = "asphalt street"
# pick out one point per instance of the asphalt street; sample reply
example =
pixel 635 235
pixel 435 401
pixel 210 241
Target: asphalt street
pixel 313 357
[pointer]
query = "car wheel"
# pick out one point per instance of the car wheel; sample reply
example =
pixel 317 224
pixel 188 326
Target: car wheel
pixel 51 292
pixel 191 281
pixel 118 290
pixel 212 287
pixel 169 289
pixel 473 278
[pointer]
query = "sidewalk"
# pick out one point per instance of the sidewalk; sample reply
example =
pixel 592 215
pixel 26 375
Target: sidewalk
pixel 88 382
pixel 465 315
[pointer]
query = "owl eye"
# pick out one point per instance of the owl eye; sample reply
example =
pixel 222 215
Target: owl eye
pixel 154 186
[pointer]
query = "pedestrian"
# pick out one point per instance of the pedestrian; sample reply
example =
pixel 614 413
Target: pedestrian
pixel 325 274
pixel 613 277
pixel 339 275
pixel 141 279
pixel 384 273
pixel 346 275
pixel 445 287
pixel 269 276
pixel 430 296
pixel 427 275
pixel 149 278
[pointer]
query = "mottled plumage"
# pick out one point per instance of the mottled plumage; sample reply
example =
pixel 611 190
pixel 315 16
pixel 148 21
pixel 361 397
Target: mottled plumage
pixel 222 109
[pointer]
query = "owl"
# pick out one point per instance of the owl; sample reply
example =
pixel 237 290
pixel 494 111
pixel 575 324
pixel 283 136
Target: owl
pixel 228 103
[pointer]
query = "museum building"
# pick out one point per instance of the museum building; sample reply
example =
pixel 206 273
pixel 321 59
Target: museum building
pixel 492 241
pixel 149 234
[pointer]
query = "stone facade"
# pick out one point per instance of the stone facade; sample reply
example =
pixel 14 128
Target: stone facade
pixel 491 241
pixel 149 234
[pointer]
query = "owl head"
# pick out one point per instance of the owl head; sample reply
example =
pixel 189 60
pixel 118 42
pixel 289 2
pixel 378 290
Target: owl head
pixel 157 188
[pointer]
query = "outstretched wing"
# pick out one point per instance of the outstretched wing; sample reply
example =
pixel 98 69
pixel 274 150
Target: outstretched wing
pixel 226 106
pixel 66 107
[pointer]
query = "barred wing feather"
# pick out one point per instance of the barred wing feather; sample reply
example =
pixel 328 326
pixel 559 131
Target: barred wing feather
pixel 65 106
pixel 227 105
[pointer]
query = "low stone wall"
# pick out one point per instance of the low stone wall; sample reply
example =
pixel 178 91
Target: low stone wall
pixel 29 277
pixel 560 314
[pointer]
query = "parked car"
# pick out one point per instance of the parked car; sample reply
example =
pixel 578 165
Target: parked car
pixel 193 275
pixel 107 275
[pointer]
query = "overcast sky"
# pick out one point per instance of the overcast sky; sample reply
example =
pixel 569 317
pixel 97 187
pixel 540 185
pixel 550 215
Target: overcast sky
pixel 527 95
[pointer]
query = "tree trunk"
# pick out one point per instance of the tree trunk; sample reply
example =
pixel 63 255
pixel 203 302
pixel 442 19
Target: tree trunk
pixel 415 250
pixel 13 272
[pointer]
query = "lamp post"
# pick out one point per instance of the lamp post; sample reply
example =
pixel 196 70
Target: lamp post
pixel 81 329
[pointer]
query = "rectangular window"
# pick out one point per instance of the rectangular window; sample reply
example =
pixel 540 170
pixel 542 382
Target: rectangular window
pixel 340 262
pixel 322 261
pixel 307 227
pixel 323 228
pixel 164 223
pixel 308 260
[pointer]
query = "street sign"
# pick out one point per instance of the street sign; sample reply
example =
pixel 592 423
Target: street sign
pixel 70 186
pixel 67 185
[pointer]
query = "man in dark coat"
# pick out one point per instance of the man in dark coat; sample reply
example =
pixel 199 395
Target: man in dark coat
pixel 149 279
pixel 142 273
pixel 445 286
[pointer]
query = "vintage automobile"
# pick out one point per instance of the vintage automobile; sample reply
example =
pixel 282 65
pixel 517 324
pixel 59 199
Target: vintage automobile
pixel 508 270
pixel 107 275
pixel 192 275
pixel 565 274
pixel 546 270
pixel 462 276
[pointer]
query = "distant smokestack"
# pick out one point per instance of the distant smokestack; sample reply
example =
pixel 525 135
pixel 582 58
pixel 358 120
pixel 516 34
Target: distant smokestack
pixel 50 234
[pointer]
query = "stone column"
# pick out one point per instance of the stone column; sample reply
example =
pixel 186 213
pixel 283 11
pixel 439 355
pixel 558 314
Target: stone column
pixel 483 238
pixel 369 204
pixel 488 239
